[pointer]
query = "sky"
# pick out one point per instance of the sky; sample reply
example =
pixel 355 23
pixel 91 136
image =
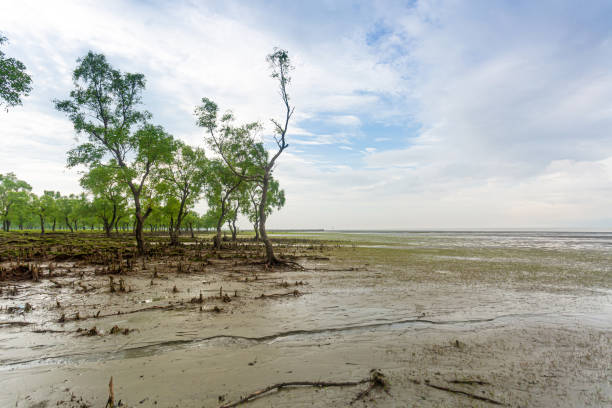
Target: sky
pixel 408 114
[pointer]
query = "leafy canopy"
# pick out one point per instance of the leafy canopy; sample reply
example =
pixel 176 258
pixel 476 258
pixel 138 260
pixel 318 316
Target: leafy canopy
pixel 104 106
pixel 14 81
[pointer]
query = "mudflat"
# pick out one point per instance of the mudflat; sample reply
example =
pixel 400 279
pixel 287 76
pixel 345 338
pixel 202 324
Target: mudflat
pixel 449 319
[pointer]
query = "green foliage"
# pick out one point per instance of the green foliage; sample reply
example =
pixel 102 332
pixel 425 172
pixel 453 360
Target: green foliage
pixel 14 81
pixel 222 184
pixel 72 209
pixel 45 206
pixel 236 145
pixel 138 173
pixel 104 106
pixel 182 182
pixel 13 193
pixel 240 149
pixel 109 194
pixel 275 201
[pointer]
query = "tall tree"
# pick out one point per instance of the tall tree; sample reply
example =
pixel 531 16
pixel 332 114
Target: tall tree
pixel 14 81
pixel 104 106
pixel 12 191
pixel 184 179
pixel 237 146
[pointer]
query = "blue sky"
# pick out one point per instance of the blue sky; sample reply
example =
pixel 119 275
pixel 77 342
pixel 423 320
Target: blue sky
pixel 409 114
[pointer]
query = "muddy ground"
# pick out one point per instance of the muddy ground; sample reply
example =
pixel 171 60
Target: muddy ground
pixel 447 324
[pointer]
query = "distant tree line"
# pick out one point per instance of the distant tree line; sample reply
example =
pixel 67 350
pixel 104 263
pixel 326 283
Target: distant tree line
pixel 110 211
pixel 139 176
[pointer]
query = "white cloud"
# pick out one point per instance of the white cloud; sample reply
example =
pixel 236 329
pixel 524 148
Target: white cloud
pixel 345 120
pixel 513 104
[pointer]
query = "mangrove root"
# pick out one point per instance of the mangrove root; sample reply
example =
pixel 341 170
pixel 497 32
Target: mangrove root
pixel 110 403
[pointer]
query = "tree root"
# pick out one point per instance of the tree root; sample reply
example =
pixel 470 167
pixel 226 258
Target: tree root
pixel 279 262
pixel 478 397
pixel 110 403
pixel 291 264
pixel 375 380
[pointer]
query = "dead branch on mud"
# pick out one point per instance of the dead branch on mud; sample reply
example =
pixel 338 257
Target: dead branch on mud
pixel 78 317
pixel 18 324
pixel 351 269
pixel 376 379
pixel 470 382
pixel 294 293
pixel 467 394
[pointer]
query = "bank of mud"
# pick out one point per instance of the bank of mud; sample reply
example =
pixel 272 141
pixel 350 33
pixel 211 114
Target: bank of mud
pixel 193 327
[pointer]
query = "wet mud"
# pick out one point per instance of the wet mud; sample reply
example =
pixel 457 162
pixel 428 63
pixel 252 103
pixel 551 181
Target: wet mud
pixel 447 320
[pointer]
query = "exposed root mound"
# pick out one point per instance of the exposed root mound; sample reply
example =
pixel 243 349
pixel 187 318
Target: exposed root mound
pixel 277 262
pixel 20 271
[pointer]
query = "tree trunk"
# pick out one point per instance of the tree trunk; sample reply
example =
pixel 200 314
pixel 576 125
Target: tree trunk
pixel 140 220
pixel 68 224
pixel 191 230
pixel 270 258
pixel 234 229
pixel 138 233
pixel 42 224
pixel 117 225
pixel 174 236
pixel 217 237
pixel 53 227
pixel 107 227
pixel 256 228
pixel 174 232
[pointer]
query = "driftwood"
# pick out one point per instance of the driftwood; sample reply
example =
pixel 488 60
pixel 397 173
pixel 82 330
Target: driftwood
pixel 376 379
pixel 467 394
